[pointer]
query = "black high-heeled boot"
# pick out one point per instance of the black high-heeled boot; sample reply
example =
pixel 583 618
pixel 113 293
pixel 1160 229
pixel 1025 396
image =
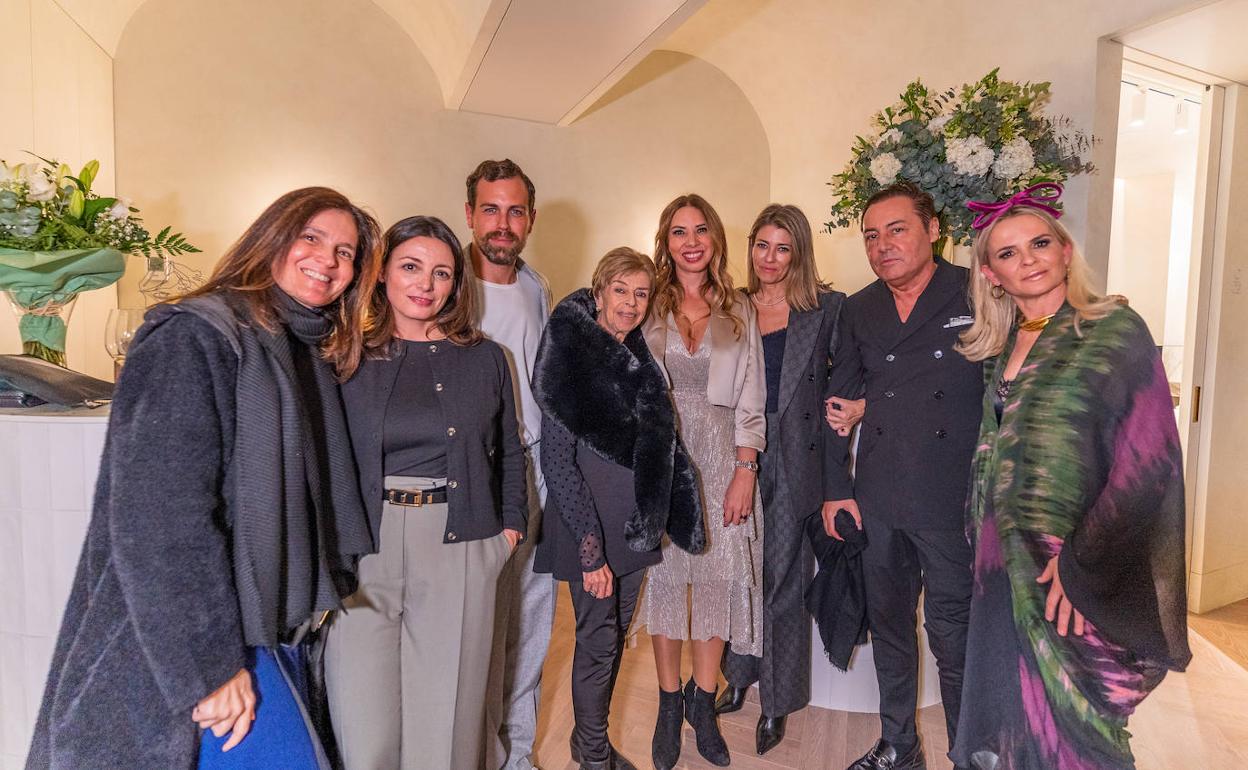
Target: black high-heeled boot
pixel 700 712
pixel 665 748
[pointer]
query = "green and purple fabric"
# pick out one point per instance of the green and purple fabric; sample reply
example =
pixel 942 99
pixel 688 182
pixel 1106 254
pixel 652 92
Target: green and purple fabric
pixel 1084 463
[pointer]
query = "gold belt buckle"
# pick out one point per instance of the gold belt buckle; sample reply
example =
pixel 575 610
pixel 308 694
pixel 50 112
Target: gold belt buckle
pixel 407 498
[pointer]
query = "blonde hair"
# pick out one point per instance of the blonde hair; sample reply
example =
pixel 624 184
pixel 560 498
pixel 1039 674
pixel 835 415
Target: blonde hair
pixel 617 262
pixel 803 285
pixel 717 289
pixel 995 316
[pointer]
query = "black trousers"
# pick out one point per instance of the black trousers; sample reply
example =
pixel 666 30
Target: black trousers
pixel 897 564
pixel 783 671
pixel 601 625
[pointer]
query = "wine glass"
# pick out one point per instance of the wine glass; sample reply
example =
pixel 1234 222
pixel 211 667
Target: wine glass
pixel 119 332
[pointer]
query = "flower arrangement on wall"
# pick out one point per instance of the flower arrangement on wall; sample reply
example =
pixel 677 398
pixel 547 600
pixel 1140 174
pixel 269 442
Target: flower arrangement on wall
pixel 983 141
pixel 58 238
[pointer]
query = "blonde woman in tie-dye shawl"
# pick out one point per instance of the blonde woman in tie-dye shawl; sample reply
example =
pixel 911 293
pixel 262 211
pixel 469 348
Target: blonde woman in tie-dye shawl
pixel 1075 511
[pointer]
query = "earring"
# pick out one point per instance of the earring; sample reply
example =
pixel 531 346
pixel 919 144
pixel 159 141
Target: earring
pixel 998 291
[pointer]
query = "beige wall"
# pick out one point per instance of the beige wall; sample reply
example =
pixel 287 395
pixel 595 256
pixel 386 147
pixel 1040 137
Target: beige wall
pixel 1220 531
pixel 289 93
pixel 56 89
pixel 817 70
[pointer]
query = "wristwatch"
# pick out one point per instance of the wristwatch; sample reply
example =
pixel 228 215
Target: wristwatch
pixel 749 465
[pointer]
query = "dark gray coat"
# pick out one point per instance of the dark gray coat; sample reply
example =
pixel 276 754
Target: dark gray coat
pixel 487 489
pixel 808 349
pixel 152 625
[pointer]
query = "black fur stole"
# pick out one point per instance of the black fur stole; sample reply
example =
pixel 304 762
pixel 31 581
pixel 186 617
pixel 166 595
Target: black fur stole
pixel 614 398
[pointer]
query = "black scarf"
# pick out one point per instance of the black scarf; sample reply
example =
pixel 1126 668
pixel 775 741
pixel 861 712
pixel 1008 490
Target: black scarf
pixel 299 526
pixel 613 397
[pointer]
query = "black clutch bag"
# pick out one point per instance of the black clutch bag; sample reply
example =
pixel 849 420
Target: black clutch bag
pixel 28 381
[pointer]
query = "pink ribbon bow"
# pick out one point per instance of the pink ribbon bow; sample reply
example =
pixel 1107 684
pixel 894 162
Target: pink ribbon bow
pixel 1042 196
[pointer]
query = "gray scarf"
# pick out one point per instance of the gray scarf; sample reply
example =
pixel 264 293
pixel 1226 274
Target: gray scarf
pixel 298 524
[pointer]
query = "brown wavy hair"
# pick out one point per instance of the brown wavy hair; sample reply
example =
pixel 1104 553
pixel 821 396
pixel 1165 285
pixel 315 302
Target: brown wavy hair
pixel 803 287
pixel 458 317
pixel 717 287
pixel 246 269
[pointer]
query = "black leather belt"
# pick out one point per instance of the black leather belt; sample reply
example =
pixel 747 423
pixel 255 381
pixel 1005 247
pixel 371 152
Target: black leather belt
pixel 415 497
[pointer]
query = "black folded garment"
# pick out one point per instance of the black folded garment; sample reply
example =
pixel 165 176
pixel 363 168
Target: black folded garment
pixel 28 381
pixel 836 598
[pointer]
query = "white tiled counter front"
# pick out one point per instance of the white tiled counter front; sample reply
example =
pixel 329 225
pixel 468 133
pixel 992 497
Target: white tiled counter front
pixel 48 464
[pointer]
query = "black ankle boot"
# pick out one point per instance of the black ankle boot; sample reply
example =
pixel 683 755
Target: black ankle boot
pixel 665 748
pixel 731 699
pixel 700 711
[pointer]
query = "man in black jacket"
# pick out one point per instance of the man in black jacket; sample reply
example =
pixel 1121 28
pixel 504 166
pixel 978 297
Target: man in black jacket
pixel 914 453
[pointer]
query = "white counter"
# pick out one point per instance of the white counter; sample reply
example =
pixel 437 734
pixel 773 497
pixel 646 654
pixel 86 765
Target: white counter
pixel 48 464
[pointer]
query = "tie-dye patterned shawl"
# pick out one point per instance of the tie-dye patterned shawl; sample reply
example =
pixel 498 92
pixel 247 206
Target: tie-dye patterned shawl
pixel 1087 452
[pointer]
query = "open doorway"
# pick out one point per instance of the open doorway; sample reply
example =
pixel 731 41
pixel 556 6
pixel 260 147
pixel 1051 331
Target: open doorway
pixel 1156 173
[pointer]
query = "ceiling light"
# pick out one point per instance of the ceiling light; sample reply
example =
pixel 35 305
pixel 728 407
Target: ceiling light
pixel 1181 118
pixel 1139 107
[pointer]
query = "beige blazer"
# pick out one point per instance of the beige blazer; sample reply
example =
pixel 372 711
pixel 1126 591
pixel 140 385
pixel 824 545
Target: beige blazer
pixel 736 375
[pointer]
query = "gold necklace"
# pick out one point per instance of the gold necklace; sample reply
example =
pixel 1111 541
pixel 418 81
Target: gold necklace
pixel 1036 324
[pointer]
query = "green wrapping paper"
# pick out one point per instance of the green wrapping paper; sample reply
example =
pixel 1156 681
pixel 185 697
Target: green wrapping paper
pixel 35 279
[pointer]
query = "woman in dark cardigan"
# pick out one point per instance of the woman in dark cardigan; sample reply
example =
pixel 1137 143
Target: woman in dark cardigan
pixel 433 424
pixel 797 318
pixel 617 474
pixel 226 515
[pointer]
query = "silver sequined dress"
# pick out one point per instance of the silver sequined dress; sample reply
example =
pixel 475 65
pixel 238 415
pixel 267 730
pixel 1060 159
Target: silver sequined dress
pixel 726 579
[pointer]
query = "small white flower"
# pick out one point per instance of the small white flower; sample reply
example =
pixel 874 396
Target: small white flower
pixel 891 135
pixel 119 210
pixel 885 167
pixel 969 155
pixel 937 124
pixel 40 188
pixel 1015 159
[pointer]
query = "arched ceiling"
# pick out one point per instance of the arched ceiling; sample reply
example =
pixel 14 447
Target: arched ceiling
pixel 541 60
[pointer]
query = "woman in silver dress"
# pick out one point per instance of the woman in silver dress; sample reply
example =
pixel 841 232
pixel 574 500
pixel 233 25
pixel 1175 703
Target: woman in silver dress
pixel 704 334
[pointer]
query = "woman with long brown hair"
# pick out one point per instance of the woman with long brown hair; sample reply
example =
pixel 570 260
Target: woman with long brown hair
pixel 703 333
pixel 227 518
pixel 433 426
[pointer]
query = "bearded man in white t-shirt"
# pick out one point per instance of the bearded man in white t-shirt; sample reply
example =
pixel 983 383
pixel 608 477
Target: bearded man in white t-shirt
pixel 515 302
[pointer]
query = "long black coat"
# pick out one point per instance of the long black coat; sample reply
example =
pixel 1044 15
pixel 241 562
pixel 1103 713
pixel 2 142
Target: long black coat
pixel 923 404
pixel 487 486
pixel 152 625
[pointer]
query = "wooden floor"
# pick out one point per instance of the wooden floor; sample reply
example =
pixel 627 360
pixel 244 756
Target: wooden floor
pixel 1194 720
pixel 1227 629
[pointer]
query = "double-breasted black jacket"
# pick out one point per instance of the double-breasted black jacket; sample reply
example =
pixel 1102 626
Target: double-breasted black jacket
pixel 808 349
pixel 486 485
pixel 923 404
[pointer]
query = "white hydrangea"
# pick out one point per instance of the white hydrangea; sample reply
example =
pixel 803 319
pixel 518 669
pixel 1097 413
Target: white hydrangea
pixel 970 155
pixel 937 124
pixel 885 167
pixel 1014 159
pixel 891 135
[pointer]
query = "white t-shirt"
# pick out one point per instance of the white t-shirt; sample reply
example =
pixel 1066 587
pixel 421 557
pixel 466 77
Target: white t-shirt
pixel 512 315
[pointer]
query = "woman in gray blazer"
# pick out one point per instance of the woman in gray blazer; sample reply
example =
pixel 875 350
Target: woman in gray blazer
pixel 797 318
pixel 433 426
pixel 704 335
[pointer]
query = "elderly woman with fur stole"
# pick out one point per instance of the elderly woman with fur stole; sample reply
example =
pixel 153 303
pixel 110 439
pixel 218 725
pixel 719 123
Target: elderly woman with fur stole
pixel 618 477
